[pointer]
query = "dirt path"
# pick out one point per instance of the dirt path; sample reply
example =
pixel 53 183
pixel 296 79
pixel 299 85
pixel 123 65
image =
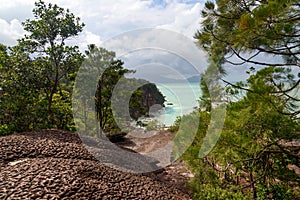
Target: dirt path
pixel 145 142
pixel 176 174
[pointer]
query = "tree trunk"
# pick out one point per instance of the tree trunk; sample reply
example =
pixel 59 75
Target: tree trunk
pixel 99 108
pixel 252 183
pixel 50 101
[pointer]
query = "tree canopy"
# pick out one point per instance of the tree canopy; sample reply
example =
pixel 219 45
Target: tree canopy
pixel 46 42
pixel 253 34
pixel 100 73
pixel 257 154
pixel 38 74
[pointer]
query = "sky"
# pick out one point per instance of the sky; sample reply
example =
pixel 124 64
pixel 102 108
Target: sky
pixel 105 18
pixel 111 23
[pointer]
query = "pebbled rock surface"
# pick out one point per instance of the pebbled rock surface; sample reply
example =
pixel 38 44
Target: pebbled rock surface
pixel 55 165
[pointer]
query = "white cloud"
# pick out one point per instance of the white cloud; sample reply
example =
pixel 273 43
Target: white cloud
pixel 106 19
pixel 186 21
pixel 8 4
pixel 86 38
pixel 10 31
pixel 159 47
pixel 110 18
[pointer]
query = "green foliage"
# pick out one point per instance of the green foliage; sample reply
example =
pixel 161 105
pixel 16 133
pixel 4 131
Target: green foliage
pixel 175 126
pixel 154 125
pixel 112 86
pixel 251 152
pixel 143 98
pixel 277 191
pixel 63 111
pixel 19 91
pixel 186 127
pixel 249 25
pixel 36 75
pixel 210 193
pixel 6 129
pixel 55 60
pixel 239 33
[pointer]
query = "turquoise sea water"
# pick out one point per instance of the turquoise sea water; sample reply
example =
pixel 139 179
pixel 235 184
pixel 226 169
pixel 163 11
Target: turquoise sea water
pixel 181 99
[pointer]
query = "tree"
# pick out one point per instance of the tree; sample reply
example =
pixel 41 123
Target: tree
pixel 253 153
pixel 5 105
pixel 241 33
pixel 46 43
pixel 101 65
pixel 36 76
pixel 258 140
pixel 19 90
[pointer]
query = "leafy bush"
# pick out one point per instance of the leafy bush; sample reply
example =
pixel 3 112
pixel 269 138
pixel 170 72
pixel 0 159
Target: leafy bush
pixel 154 125
pixel 6 129
pixel 210 193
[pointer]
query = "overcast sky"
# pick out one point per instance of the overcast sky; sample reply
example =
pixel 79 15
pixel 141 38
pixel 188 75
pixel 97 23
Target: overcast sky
pixel 107 18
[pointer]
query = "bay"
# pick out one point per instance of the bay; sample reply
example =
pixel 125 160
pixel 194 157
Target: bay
pixel 181 98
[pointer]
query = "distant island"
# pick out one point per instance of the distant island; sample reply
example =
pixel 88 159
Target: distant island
pixel 194 79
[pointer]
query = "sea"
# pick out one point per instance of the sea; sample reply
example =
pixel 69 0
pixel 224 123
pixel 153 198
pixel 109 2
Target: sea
pixel 181 98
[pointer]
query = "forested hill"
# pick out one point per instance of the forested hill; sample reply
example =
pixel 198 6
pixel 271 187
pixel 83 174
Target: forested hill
pixel 147 96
